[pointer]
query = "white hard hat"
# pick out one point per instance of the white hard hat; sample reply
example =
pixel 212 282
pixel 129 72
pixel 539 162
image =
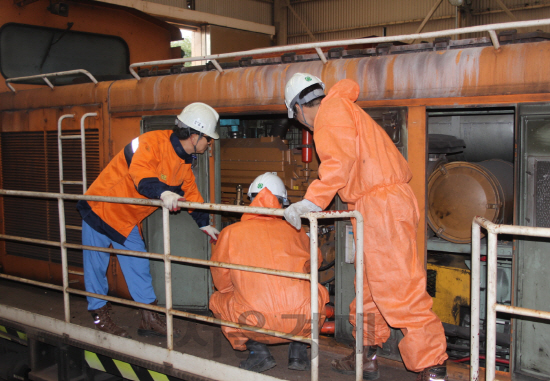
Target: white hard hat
pixel 268 180
pixel 201 117
pixel 295 85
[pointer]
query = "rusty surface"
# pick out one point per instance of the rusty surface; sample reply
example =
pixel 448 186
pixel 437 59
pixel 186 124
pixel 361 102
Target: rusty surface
pixel 478 71
pixel 459 191
pixel 417 151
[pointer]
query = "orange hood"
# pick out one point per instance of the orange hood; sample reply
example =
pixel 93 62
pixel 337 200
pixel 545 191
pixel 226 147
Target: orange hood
pixel 346 88
pixel 264 199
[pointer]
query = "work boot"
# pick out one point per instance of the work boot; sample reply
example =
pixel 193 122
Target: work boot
pixel 103 321
pixel 259 359
pixel 152 324
pixel 346 365
pixel 434 373
pixel 297 356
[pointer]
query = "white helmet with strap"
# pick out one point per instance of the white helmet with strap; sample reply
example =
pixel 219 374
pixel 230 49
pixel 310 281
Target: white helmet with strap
pixel 200 117
pixel 298 83
pixel 271 181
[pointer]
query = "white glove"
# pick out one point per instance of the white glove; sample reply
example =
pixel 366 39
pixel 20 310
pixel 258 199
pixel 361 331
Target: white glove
pixel 212 232
pixel 293 212
pixel 170 200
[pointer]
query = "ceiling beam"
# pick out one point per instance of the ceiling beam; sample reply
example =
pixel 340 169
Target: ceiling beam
pixel 300 20
pixel 427 18
pixel 190 17
pixel 505 9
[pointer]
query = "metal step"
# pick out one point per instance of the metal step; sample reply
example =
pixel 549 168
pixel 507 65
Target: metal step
pixel 67 137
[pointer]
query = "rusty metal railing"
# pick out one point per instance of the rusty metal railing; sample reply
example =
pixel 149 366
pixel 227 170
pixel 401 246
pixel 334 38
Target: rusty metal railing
pixel 44 77
pixel 491 28
pixel 492 306
pixel 168 259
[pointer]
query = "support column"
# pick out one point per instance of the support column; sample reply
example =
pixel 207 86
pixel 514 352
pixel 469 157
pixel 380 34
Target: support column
pixel 280 19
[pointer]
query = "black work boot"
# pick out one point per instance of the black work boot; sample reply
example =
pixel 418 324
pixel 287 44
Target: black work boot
pixel 259 359
pixel 297 356
pixel 104 322
pixel 346 365
pixel 433 373
pixel 152 324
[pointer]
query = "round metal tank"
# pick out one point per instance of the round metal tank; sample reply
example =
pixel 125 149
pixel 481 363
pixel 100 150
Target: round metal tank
pixel 459 191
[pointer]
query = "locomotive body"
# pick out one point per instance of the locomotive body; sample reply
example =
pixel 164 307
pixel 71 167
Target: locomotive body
pixel 413 91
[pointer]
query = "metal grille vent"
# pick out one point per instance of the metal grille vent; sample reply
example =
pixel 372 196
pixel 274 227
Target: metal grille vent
pixel 430 285
pixel 542 194
pixel 30 163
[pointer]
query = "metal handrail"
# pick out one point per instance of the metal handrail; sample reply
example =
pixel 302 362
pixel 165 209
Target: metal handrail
pixel 168 258
pixel 492 306
pixel 45 77
pixel 491 28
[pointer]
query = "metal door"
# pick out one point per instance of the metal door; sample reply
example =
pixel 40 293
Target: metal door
pixel 191 285
pixel 532 257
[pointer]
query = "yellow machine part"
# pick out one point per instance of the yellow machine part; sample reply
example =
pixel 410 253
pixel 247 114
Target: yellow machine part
pixel 450 290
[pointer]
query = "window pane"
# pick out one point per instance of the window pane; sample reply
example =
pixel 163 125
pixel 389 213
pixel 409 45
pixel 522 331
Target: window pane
pixel 28 50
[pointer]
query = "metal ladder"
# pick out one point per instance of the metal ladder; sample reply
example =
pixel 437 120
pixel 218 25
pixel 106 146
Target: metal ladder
pixel 62 182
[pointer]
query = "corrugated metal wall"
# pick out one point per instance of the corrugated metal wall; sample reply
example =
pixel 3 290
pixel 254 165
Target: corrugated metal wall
pixel 330 20
pixel 488 12
pixel 342 19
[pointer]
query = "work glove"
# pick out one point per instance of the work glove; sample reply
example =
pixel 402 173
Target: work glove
pixel 212 232
pixel 170 200
pixel 293 212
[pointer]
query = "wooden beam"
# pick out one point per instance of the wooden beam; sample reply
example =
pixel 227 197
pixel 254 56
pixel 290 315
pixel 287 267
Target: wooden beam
pixel 184 15
pixel 427 18
pixel 505 9
pixel 301 21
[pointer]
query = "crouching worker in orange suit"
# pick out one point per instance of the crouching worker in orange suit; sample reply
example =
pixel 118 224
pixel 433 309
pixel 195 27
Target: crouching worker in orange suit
pixel 360 163
pixel 267 301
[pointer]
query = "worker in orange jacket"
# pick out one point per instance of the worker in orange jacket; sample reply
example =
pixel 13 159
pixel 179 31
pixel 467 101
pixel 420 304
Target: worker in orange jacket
pixel 272 302
pixel 360 163
pixel 155 165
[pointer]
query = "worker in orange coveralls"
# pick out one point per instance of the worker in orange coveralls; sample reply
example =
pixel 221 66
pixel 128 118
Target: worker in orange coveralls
pixel 360 163
pixel 267 301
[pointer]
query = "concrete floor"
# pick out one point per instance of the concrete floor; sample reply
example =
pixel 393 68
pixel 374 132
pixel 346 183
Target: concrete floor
pixel 196 339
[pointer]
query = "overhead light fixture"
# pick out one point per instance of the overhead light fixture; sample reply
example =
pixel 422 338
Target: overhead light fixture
pixel 60 9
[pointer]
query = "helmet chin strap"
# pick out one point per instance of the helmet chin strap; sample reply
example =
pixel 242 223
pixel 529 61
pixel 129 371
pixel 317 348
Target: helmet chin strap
pixel 195 145
pixel 304 117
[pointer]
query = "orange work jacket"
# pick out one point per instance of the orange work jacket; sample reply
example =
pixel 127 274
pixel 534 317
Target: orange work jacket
pixel 151 164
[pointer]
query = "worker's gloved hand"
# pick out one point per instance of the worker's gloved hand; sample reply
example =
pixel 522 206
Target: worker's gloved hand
pixel 293 212
pixel 212 232
pixel 170 200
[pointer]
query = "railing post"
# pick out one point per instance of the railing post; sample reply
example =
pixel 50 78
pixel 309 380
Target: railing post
pixel 359 313
pixel 64 264
pixel 314 283
pixel 474 302
pixel 491 306
pixel 62 227
pixel 168 278
pixel 83 149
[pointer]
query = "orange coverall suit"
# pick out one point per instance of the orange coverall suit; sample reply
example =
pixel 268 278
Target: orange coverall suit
pixel 361 163
pixel 267 301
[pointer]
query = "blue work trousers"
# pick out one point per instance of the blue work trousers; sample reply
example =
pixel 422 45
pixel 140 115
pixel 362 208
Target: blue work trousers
pixel 135 269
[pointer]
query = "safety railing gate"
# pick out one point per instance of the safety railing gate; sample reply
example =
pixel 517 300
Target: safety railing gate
pixel 492 306
pixel 168 355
